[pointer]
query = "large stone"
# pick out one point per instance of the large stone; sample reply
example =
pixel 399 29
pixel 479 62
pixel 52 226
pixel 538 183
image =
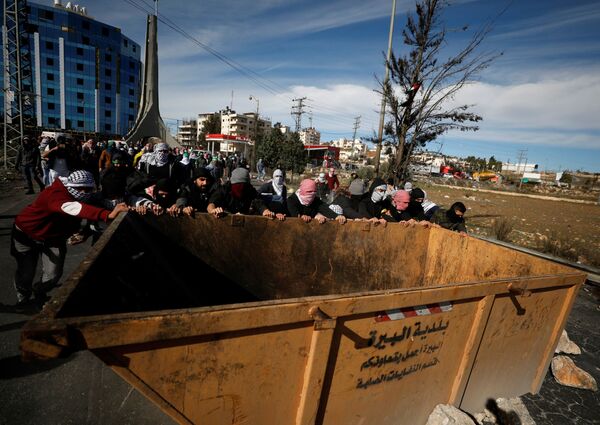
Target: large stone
pixel 566 346
pixel 505 411
pixel 566 373
pixel 446 414
pixel 518 409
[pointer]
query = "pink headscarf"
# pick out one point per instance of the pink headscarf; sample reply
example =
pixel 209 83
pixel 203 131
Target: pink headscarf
pixel 401 199
pixel 307 192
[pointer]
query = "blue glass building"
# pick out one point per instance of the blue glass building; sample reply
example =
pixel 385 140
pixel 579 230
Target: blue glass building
pixel 86 74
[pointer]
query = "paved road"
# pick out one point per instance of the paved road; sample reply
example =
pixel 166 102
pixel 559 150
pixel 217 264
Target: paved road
pixel 77 390
pixel 81 390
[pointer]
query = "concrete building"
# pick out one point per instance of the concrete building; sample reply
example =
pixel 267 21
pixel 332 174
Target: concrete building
pixel 310 136
pixel 187 132
pixel 519 168
pixel 243 125
pixel 86 74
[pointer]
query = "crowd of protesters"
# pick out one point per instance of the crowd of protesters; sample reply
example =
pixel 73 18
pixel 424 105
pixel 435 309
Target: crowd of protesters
pixel 85 185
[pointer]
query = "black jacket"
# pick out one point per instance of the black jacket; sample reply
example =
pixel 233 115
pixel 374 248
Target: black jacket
pixel 295 208
pixel 249 203
pixel 191 195
pixel 274 202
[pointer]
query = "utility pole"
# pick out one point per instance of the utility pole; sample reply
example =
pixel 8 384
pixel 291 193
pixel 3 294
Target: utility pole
pixel 356 126
pixel 297 110
pixel 522 157
pixel 385 80
pixel 253 162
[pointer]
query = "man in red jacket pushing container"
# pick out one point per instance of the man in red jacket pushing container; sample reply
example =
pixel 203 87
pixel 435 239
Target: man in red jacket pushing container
pixel 43 227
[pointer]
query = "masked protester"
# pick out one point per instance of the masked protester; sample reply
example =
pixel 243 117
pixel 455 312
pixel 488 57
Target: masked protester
pixel 274 194
pixel 194 195
pixel 307 206
pixel 42 229
pixel 237 196
pixel 372 206
pixel 59 162
pixel 161 165
pixel 156 198
pixel 452 219
pixel 415 206
pixel 322 187
pixel 29 159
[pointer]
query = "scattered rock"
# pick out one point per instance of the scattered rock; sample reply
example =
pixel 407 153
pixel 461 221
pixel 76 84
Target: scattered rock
pixel 566 373
pixel 446 414
pixel 566 346
pixel 505 411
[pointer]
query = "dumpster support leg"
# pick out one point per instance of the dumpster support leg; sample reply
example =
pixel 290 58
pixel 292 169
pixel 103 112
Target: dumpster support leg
pixel 484 308
pixel 316 366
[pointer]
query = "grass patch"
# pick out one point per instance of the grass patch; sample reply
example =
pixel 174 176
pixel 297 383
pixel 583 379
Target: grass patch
pixel 502 228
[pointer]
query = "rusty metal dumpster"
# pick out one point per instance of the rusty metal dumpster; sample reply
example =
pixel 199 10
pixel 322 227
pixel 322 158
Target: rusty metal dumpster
pixel 247 320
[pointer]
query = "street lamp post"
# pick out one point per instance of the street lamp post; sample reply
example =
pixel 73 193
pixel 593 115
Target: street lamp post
pixel 253 162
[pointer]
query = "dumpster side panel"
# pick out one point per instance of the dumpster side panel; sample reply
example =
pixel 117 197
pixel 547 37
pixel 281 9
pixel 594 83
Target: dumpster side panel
pixel 395 371
pixel 311 259
pixel 253 377
pixel 453 258
pixel 517 344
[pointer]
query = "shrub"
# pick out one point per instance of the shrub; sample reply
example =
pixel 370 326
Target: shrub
pixel 501 229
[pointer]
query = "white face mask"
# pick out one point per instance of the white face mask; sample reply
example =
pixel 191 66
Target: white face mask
pixel 378 194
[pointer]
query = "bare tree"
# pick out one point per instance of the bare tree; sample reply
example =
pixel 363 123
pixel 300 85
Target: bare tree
pixel 421 84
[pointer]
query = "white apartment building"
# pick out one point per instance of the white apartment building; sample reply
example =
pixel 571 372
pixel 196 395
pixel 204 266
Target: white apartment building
pixel 243 125
pixel 349 147
pixel 310 136
pixel 187 133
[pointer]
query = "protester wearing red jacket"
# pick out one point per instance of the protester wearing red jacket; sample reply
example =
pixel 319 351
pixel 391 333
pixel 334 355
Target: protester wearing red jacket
pixel 43 227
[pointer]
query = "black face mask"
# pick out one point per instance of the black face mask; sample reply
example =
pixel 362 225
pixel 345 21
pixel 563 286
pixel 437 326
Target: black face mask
pixel 453 217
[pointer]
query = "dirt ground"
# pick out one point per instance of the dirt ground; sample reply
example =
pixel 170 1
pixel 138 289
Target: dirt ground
pixel 571 229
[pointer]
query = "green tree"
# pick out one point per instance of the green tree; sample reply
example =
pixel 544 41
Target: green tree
pixel 293 155
pixel 212 125
pixel 422 83
pixel 270 147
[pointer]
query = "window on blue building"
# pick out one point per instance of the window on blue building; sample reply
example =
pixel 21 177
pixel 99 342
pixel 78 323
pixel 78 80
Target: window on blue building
pixel 49 45
pixel 107 114
pixel 80 124
pixel 85 40
pixel 80 81
pixel 131 65
pixel 107 86
pixel 107 72
pixel 79 96
pixel 79 67
pixel 50 91
pixel 51 106
pixel 131 106
pixel 49 61
pixel 50 77
pixel 48 15
pixel 107 100
pixel 131 79
pixel 107 57
pixel 85 25
pixel 80 110
pixel 131 92
pixel 105 32
pixel 51 120
pixel 79 51
pixel 107 127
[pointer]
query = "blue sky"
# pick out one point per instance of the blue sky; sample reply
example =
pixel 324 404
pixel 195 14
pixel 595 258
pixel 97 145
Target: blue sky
pixel 542 95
